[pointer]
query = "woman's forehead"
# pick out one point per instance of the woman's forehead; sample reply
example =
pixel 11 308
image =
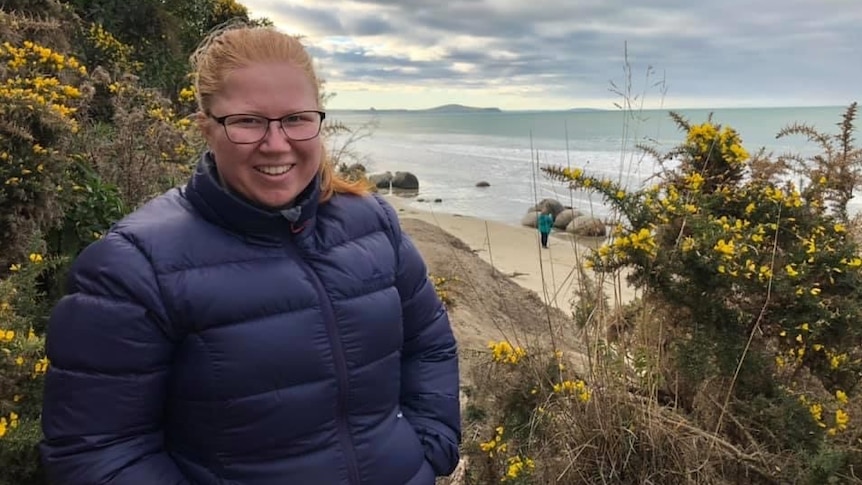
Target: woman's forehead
pixel 275 88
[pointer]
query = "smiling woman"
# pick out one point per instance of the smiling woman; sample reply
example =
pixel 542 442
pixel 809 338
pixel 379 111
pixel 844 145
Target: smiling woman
pixel 264 92
pixel 267 323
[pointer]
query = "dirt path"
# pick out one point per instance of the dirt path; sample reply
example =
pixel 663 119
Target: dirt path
pixel 487 305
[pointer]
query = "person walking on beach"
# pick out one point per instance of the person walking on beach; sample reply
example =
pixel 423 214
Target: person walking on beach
pixel 268 323
pixel 546 222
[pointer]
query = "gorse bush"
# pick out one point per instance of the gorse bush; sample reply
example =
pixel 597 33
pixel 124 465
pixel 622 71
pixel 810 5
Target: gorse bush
pixel 138 140
pixel 56 157
pixel 742 256
pixel 23 312
pixel 107 56
pixel 101 48
pixel 148 145
pixel 41 92
pixel 763 285
pixel 82 143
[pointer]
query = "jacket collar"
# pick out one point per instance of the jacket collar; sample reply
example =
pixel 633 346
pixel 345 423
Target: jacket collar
pixel 235 213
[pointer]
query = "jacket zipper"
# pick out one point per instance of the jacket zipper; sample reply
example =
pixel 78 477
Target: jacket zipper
pixel 341 376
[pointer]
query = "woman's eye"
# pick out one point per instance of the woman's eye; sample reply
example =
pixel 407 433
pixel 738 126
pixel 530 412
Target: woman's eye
pixel 245 121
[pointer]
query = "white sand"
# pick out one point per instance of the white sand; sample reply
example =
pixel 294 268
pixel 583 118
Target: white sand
pixel 516 251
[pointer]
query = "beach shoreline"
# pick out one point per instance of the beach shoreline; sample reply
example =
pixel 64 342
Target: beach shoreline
pixel 515 251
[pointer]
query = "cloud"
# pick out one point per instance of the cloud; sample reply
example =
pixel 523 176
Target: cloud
pixel 737 52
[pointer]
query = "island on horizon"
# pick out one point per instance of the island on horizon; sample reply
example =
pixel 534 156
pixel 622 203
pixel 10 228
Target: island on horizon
pixel 446 108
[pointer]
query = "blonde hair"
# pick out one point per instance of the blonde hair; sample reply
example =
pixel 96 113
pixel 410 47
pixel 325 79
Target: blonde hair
pixel 236 45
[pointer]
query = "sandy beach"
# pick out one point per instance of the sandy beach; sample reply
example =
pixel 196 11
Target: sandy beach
pixel 515 251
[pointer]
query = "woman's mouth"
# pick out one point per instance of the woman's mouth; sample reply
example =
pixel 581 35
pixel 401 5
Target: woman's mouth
pixel 274 170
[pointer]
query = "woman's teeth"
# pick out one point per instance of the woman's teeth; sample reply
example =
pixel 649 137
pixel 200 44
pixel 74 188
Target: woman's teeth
pixel 274 170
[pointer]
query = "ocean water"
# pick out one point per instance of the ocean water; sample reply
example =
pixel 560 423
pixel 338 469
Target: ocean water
pixel 450 152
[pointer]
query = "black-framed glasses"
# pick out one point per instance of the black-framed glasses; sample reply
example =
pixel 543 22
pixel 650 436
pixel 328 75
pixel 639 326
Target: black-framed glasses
pixel 247 128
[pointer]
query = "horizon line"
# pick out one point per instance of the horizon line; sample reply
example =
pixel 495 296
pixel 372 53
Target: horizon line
pixel 467 108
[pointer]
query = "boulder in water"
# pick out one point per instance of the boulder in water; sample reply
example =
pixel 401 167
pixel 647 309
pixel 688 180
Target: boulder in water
pixel 405 181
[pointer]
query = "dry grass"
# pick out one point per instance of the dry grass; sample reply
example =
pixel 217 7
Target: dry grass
pixel 626 433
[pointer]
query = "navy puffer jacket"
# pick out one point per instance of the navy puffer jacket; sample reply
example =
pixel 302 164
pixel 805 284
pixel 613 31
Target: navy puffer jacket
pixel 206 341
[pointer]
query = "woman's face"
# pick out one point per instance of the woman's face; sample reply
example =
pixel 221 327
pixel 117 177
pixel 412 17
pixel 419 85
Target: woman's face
pixel 274 170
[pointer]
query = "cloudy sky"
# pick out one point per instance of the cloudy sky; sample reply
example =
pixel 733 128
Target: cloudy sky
pixel 561 54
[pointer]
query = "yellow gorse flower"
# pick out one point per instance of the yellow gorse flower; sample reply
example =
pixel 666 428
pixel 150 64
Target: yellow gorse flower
pixel 816 411
pixel 688 244
pixel 187 94
pixel 504 352
pixel 725 248
pixel 5 424
pixel 41 366
pixel 578 388
pixel 495 444
pixel 841 419
pixel 841 396
pixel 694 181
pixel 574 174
pixel 836 360
pixel 707 139
pixel 642 240
pixel 517 467
pixel 750 208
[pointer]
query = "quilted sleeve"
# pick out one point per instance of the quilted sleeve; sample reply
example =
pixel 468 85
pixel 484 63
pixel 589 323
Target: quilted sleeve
pixel 109 349
pixel 429 366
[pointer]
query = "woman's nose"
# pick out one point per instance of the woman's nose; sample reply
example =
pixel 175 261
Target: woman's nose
pixel 276 137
